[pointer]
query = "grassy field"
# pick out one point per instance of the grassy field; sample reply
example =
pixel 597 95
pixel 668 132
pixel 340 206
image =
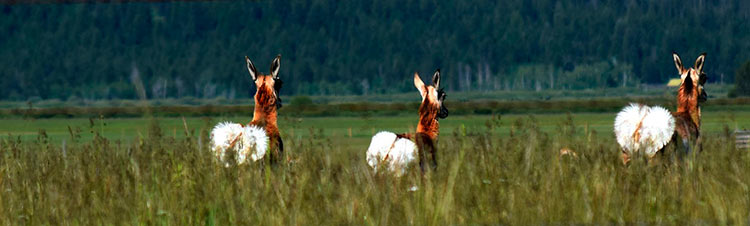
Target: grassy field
pixel 492 169
pixel 352 130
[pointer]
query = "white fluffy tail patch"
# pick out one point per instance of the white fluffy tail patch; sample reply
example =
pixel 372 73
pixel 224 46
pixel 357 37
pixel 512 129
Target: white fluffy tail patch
pixel 246 141
pixel 388 151
pixel 642 128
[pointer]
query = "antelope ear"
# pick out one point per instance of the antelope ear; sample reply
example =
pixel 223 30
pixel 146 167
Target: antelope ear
pixel 419 84
pixel 677 62
pixel 251 68
pixel 275 66
pixel 436 79
pixel 699 62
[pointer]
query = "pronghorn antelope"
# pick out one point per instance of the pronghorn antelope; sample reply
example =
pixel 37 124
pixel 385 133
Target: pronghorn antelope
pixel 397 151
pixel 689 98
pixel 650 129
pixel 261 133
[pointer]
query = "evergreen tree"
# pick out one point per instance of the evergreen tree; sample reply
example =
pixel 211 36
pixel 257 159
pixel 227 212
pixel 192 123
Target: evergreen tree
pixel 196 49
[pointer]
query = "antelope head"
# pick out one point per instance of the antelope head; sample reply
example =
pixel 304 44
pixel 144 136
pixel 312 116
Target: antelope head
pixel 267 94
pixel 692 79
pixel 432 97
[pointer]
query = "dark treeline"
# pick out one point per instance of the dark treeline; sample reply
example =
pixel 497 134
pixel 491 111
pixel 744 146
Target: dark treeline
pixel 196 49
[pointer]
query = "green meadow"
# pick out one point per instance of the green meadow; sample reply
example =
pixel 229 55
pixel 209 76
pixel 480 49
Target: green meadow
pixel 492 169
pixel 350 130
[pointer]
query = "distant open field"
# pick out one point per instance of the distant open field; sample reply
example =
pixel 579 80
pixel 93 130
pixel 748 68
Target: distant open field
pixel 348 130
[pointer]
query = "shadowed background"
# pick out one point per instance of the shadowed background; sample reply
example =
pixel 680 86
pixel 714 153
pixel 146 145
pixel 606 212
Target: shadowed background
pixel 194 49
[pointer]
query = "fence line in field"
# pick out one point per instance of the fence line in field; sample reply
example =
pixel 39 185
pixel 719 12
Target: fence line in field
pixel 742 139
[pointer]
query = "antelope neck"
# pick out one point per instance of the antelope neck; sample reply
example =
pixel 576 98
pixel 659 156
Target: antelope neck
pixel 428 123
pixel 688 104
pixel 265 108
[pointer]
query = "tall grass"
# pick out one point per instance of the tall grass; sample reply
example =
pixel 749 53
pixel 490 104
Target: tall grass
pixel 482 178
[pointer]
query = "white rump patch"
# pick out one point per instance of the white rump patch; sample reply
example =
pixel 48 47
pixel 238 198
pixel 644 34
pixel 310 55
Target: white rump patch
pixel 388 152
pixel 249 141
pixel 655 131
